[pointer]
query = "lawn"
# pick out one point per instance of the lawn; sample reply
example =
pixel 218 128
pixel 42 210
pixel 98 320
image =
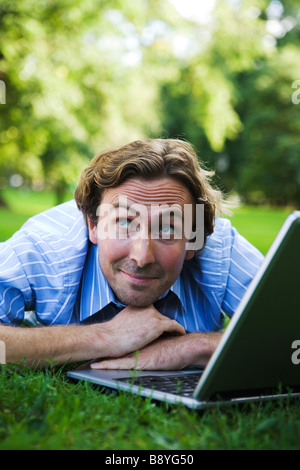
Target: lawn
pixel 44 410
pixel 22 204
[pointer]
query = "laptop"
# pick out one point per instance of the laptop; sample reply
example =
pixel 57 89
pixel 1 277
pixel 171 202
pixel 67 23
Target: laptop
pixel 258 357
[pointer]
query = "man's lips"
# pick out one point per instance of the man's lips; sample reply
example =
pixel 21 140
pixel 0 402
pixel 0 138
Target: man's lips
pixel 138 278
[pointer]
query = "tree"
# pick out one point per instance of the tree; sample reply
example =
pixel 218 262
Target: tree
pixel 232 100
pixel 71 88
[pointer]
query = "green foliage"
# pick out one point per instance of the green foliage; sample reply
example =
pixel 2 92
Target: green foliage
pixel 69 88
pixel 269 168
pixel 81 77
pixel 233 100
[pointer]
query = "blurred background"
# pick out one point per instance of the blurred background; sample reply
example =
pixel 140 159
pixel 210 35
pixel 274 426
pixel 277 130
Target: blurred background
pixel 77 77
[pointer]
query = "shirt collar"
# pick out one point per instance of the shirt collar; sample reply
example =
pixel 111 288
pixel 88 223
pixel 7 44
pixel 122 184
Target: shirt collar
pixel 179 290
pixel 96 292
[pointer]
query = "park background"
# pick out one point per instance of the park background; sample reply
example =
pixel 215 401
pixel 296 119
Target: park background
pixel 80 76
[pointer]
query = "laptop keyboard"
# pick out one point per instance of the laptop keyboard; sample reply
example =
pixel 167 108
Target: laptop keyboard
pixel 176 384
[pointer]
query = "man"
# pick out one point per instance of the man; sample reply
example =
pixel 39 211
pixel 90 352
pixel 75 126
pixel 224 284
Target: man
pixel 116 284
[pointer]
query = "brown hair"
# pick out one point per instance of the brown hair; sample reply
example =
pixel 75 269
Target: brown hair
pixel 149 159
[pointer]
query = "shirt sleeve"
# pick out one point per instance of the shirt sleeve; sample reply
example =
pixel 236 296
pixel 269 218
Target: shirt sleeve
pixel 41 266
pixel 241 261
pixel 15 291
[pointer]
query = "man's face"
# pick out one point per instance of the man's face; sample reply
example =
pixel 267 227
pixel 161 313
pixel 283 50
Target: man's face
pixel 143 254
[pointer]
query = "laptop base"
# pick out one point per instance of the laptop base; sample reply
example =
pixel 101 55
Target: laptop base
pixel 124 381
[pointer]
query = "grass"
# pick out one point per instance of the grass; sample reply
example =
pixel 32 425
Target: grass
pixel 259 224
pixel 44 410
pixel 22 204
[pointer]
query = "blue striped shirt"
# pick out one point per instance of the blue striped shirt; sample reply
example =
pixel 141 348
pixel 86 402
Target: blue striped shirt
pixel 49 267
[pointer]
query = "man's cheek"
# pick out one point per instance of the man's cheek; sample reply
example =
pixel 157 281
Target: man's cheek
pixel 172 259
pixel 113 250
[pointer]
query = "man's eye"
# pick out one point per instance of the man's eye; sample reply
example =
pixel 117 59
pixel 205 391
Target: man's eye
pixel 167 230
pixel 123 222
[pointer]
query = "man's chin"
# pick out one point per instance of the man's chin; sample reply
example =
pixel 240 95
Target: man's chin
pixel 137 295
pixel 138 301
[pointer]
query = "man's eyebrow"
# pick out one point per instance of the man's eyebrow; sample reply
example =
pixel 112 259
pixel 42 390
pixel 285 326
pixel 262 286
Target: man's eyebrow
pixel 121 203
pixel 169 211
pixel 174 210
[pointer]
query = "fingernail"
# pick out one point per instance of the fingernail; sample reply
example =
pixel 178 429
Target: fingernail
pixel 95 365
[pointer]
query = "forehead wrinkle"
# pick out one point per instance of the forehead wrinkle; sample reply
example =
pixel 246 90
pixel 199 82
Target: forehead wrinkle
pixel 162 191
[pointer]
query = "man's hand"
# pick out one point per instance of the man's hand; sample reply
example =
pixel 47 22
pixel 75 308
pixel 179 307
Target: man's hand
pixel 167 353
pixel 130 330
pixel 134 328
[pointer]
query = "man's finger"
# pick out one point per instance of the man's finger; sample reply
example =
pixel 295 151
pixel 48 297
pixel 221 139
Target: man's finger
pixel 122 363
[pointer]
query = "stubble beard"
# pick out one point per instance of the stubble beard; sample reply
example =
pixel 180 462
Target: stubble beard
pixel 133 294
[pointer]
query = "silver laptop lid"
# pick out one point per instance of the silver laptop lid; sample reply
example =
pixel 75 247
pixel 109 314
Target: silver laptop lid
pixel 256 351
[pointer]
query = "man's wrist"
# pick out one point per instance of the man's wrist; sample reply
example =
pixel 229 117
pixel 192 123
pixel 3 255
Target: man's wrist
pixel 201 346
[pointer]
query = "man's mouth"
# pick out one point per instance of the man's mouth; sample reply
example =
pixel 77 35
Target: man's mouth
pixel 139 278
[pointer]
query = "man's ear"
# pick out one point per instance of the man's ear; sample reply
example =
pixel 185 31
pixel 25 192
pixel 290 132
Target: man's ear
pixel 92 227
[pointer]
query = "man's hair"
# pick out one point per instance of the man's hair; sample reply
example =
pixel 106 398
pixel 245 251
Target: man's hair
pixel 149 159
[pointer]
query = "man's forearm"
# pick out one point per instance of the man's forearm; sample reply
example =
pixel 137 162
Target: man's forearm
pixel 55 343
pixel 167 353
pixel 130 330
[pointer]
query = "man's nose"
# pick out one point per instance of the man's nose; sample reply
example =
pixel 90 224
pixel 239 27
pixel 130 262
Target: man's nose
pixel 142 251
